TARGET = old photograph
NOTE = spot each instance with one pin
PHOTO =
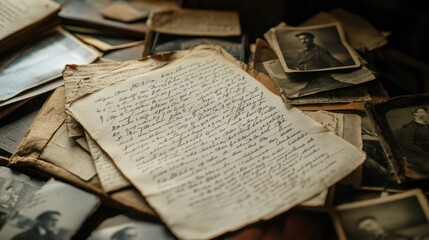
(314, 48)
(236, 46)
(403, 125)
(55, 212)
(372, 219)
(297, 85)
(122, 227)
(15, 190)
(377, 173)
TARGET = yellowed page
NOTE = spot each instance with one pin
(80, 80)
(111, 178)
(196, 22)
(211, 148)
(344, 125)
(332, 121)
(65, 152)
(18, 14)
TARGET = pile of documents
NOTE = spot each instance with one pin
(163, 114)
(179, 130)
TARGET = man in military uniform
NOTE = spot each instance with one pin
(414, 139)
(314, 57)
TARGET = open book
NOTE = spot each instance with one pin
(23, 20)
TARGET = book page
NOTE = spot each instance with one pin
(196, 22)
(111, 178)
(203, 136)
(18, 14)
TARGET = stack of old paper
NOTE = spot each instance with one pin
(192, 130)
(318, 62)
(108, 17)
(182, 29)
(36, 68)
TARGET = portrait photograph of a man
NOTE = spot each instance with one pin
(403, 127)
(371, 219)
(315, 48)
(410, 126)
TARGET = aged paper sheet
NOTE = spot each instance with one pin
(16, 15)
(196, 22)
(334, 122)
(65, 152)
(80, 80)
(48, 120)
(111, 178)
(42, 62)
(344, 125)
(201, 135)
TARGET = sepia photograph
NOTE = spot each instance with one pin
(55, 212)
(377, 173)
(297, 85)
(314, 48)
(403, 126)
(122, 227)
(236, 46)
(15, 190)
(372, 219)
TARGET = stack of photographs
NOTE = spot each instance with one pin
(315, 64)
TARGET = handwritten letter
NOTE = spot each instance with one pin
(111, 178)
(80, 80)
(210, 147)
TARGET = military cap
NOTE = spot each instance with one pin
(307, 34)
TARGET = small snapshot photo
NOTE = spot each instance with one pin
(315, 48)
(122, 227)
(55, 212)
(372, 219)
(403, 124)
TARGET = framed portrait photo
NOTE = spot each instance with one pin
(372, 219)
(314, 48)
(402, 124)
